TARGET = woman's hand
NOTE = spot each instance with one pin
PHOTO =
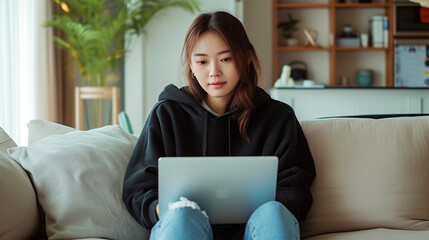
(157, 210)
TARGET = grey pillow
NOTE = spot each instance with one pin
(39, 129)
(78, 177)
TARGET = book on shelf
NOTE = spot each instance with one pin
(376, 31)
(385, 31)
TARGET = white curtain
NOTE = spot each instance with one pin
(25, 66)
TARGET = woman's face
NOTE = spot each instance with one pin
(213, 66)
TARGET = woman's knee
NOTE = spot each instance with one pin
(184, 214)
(272, 206)
(272, 220)
(182, 223)
(277, 211)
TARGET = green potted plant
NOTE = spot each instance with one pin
(288, 27)
(97, 33)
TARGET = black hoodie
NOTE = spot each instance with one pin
(179, 126)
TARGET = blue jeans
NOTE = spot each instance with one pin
(270, 221)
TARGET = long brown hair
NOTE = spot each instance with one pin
(245, 60)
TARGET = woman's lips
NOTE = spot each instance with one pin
(217, 84)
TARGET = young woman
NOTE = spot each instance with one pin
(221, 112)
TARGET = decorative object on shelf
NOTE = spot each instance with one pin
(364, 40)
(376, 29)
(288, 27)
(97, 34)
(285, 80)
(298, 70)
(308, 83)
(347, 38)
(311, 37)
(344, 81)
(364, 77)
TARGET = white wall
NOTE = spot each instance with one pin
(154, 59)
(258, 20)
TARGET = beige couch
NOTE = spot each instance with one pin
(372, 181)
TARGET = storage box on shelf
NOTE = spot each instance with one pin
(328, 62)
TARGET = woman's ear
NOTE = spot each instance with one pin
(190, 67)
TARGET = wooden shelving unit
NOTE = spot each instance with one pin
(329, 53)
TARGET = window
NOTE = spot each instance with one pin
(18, 73)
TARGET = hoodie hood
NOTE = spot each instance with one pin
(260, 97)
(172, 93)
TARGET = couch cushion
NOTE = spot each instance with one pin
(375, 234)
(18, 204)
(5, 141)
(369, 174)
(78, 178)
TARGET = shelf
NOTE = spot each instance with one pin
(361, 5)
(303, 5)
(360, 48)
(302, 48)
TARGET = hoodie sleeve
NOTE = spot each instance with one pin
(140, 187)
(296, 169)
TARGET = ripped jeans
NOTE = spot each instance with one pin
(270, 221)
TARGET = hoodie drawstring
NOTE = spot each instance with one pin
(205, 120)
(229, 135)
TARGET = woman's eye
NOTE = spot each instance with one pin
(202, 62)
(226, 60)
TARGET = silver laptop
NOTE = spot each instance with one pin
(229, 189)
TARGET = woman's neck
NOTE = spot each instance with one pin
(218, 105)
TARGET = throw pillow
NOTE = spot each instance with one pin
(78, 177)
(369, 174)
(39, 129)
(18, 204)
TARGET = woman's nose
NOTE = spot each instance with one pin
(214, 70)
